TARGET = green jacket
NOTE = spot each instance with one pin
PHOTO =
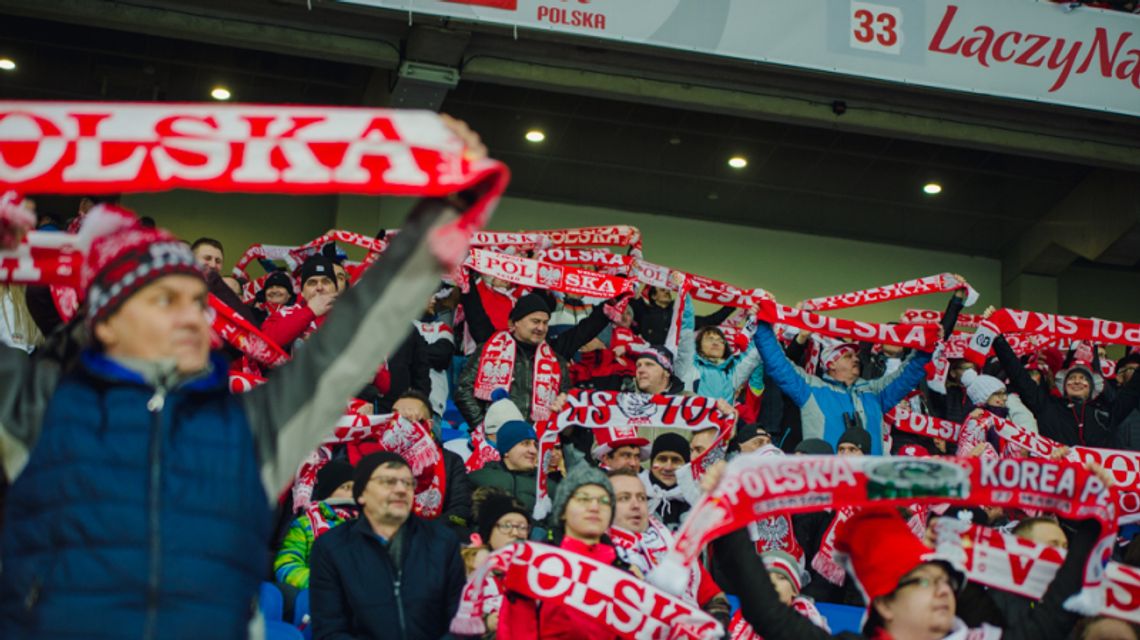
(292, 563)
(521, 485)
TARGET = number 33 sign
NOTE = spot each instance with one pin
(875, 27)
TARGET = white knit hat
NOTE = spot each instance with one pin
(980, 387)
(501, 411)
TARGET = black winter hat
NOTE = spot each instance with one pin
(367, 465)
(528, 304)
(494, 506)
(318, 265)
(673, 442)
(859, 437)
(813, 446)
(278, 279)
(746, 432)
(330, 477)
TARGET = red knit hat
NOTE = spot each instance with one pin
(879, 548)
(124, 257)
(612, 438)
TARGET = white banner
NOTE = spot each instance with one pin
(1037, 51)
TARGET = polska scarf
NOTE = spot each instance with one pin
(644, 550)
(940, 283)
(391, 432)
(237, 331)
(1053, 326)
(625, 605)
(754, 487)
(497, 371)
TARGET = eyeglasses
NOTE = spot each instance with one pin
(585, 500)
(627, 497)
(508, 527)
(391, 483)
(926, 582)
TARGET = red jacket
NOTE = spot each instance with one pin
(290, 323)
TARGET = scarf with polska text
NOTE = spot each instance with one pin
(754, 487)
(535, 274)
(243, 336)
(611, 409)
(930, 316)
(481, 451)
(1020, 566)
(603, 236)
(1069, 328)
(391, 432)
(940, 283)
(497, 371)
(628, 607)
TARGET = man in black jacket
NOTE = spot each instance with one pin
(651, 319)
(1080, 416)
(389, 574)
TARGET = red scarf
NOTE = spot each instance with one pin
(589, 587)
(756, 486)
(391, 432)
(1053, 326)
(535, 274)
(237, 331)
(940, 283)
(644, 550)
(739, 629)
(497, 371)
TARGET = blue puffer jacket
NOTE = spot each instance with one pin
(172, 518)
(823, 401)
(707, 378)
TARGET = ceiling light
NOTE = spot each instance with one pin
(738, 162)
(932, 188)
(534, 135)
(7, 64)
(220, 93)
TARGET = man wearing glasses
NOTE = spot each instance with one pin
(390, 570)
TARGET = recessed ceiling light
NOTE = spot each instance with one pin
(738, 162)
(220, 93)
(932, 188)
(535, 135)
(675, 140)
(7, 64)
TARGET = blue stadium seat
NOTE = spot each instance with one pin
(841, 617)
(301, 618)
(271, 602)
(277, 630)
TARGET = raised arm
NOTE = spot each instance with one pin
(570, 341)
(478, 322)
(788, 376)
(302, 399)
(684, 364)
(1032, 394)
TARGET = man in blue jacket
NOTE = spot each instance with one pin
(140, 501)
(840, 399)
(389, 574)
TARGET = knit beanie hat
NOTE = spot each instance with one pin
(318, 265)
(673, 442)
(815, 446)
(660, 355)
(579, 476)
(1095, 380)
(367, 465)
(528, 304)
(979, 387)
(501, 411)
(511, 434)
(833, 353)
(125, 257)
(330, 477)
(859, 437)
(746, 432)
(494, 506)
(278, 279)
(785, 564)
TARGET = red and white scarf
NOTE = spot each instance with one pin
(320, 524)
(609, 409)
(930, 316)
(1026, 568)
(940, 283)
(481, 451)
(628, 607)
(754, 487)
(411, 440)
(1007, 321)
(535, 274)
(824, 561)
(497, 371)
(237, 331)
(644, 550)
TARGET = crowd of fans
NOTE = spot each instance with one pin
(369, 567)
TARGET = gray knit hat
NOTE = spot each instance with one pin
(580, 475)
